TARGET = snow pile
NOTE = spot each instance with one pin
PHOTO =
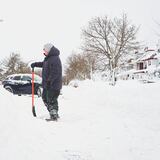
(98, 122)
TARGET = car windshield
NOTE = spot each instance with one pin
(8, 78)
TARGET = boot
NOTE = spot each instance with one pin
(54, 114)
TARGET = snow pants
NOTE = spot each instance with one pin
(50, 99)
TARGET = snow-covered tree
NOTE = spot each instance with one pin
(110, 39)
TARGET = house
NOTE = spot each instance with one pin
(148, 60)
(145, 66)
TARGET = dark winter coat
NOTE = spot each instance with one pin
(51, 70)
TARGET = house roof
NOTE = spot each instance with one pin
(157, 56)
(148, 55)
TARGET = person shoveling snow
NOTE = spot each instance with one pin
(51, 78)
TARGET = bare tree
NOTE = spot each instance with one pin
(1, 72)
(23, 67)
(14, 64)
(77, 67)
(110, 40)
(10, 64)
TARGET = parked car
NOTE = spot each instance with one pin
(22, 84)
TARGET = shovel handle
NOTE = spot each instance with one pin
(33, 107)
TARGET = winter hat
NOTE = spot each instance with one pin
(47, 47)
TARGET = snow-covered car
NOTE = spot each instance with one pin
(22, 84)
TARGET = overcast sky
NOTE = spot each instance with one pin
(29, 24)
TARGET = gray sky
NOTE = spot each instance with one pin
(29, 24)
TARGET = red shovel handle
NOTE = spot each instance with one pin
(33, 107)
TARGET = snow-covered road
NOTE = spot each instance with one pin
(98, 122)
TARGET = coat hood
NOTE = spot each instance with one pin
(54, 52)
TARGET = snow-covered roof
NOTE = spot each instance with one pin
(157, 55)
(22, 74)
(37, 77)
(148, 55)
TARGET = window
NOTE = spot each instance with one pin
(17, 78)
(149, 62)
(26, 78)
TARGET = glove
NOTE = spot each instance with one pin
(32, 65)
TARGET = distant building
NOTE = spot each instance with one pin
(146, 65)
(147, 60)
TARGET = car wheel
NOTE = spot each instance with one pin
(8, 88)
(39, 93)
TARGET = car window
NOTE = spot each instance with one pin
(26, 78)
(17, 78)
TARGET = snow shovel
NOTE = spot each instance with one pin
(33, 107)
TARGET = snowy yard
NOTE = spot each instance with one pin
(98, 122)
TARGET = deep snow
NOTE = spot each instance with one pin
(98, 122)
